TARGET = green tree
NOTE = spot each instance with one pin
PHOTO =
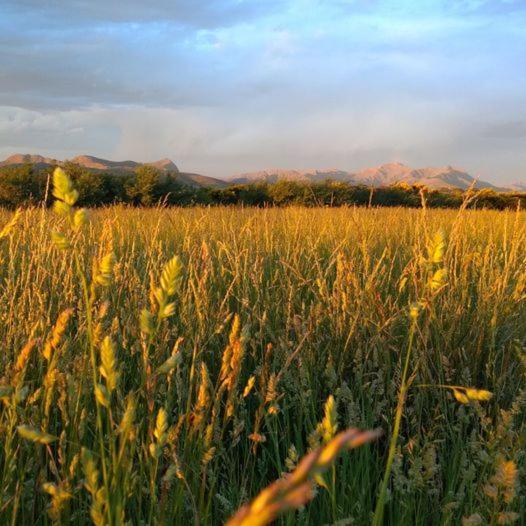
(21, 185)
(148, 186)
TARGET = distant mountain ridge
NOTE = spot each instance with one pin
(97, 164)
(384, 175)
(518, 186)
(88, 161)
(388, 174)
(22, 158)
(275, 175)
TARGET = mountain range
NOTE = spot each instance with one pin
(387, 174)
(97, 164)
(384, 175)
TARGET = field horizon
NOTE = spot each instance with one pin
(385, 174)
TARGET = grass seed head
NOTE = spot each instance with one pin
(10, 226)
(35, 435)
(171, 276)
(329, 424)
(108, 368)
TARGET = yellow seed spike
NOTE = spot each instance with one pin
(506, 478)
(107, 263)
(234, 332)
(257, 437)
(59, 329)
(329, 424)
(478, 394)
(203, 398)
(91, 473)
(236, 359)
(71, 197)
(161, 426)
(61, 208)
(102, 395)
(108, 368)
(167, 310)
(60, 240)
(171, 275)
(414, 310)
(62, 184)
(295, 489)
(104, 270)
(438, 279)
(249, 386)
(272, 388)
(320, 480)
(225, 362)
(169, 364)
(146, 322)
(57, 492)
(460, 396)
(128, 416)
(11, 224)
(35, 435)
(208, 456)
(437, 248)
(331, 450)
(80, 218)
(49, 488)
(24, 355)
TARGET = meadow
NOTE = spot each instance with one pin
(142, 388)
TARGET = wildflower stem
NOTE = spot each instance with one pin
(404, 385)
(89, 321)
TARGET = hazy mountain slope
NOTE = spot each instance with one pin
(198, 180)
(95, 163)
(269, 176)
(22, 158)
(517, 186)
(164, 164)
(275, 175)
(387, 174)
(90, 162)
(384, 175)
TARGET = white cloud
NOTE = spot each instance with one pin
(217, 142)
(238, 85)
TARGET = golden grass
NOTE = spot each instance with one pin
(162, 366)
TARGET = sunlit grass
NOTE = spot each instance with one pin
(165, 365)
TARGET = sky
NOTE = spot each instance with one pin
(228, 86)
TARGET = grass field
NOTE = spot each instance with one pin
(131, 398)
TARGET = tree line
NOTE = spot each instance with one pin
(28, 185)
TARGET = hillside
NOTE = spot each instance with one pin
(438, 178)
(117, 167)
(95, 163)
(384, 175)
(518, 186)
(198, 180)
(304, 176)
(21, 158)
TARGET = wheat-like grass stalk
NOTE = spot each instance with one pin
(180, 414)
(296, 488)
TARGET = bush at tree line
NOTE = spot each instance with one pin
(28, 185)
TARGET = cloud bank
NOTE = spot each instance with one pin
(226, 86)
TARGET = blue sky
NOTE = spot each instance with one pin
(226, 86)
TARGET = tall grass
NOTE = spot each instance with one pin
(162, 366)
